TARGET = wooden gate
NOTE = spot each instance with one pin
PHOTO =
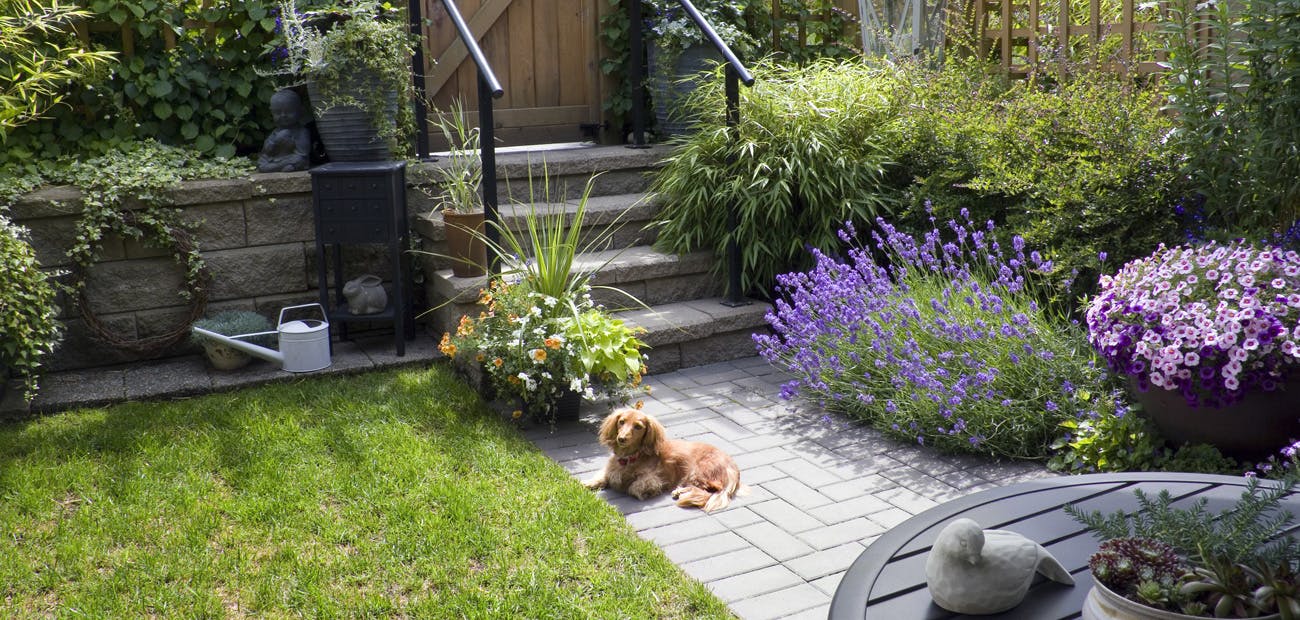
(545, 52)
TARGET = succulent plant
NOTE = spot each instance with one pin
(1138, 568)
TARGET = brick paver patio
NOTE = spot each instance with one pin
(822, 487)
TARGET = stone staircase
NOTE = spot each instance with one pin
(686, 323)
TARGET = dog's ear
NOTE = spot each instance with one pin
(654, 435)
(609, 429)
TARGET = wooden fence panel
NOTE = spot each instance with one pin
(1023, 35)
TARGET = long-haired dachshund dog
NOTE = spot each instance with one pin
(646, 463)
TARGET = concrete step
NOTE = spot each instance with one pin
(698, 332)
(621, 220)
(651, 277)
(557, 175)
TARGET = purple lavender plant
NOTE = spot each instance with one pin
(1210, 321)
(945, 345)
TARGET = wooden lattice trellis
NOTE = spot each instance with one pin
(1114, 35)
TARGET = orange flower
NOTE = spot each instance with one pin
(516, 414)
(446, 346)
(538, 355)
(514, 379)
(480, 357)
(498, 362)
(640, 404)
(553, 343)
(466, 326)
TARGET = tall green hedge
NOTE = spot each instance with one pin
(1079, 168)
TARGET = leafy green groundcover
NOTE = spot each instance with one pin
(390, 493)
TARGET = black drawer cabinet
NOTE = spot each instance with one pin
(363, 203)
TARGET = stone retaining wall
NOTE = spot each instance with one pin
(256, 235)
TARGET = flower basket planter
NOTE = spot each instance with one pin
(1104, 604)
(1257, 425)
(465, 232)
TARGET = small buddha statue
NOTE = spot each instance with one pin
(288, 146)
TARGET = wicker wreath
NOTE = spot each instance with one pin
(181, 243)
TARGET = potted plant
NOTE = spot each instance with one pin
(355, 60)
(1168, 563)
(1203, 328)
(29, 325)
(679, 52)
(540, 337)
(233, 323)
(459, 194)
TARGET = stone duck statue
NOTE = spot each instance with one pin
(975, 571)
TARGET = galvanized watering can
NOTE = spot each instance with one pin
(304, 344)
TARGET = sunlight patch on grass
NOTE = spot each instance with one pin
(393, 493)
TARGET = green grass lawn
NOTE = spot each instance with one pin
(390, 494)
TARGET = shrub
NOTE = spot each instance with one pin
(29, 327)
(1235, 108)
(807, 157)
(202, 93)
(39, 57)
(945, 345)
(1114, 440)
(1078, 168)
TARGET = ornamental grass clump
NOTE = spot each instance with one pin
(945, 345)
(1213, 322)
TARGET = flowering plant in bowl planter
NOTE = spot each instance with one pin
(534, 348)
(540, 335)
(1212, 322)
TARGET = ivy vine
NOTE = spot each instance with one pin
(202, 92)
(144, 173)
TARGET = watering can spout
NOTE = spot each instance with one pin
(270, 355)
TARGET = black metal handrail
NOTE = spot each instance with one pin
(736, 74)
(489, 88)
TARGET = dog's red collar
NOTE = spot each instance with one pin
(624, 460)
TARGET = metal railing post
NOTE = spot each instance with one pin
(489, 88)
(735, 296)
(488, 164)
(636, 73)
(417, 75)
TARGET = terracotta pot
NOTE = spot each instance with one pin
(1258, 425)
(1103, 604)
(467, 249)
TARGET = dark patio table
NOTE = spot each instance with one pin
(887, 581)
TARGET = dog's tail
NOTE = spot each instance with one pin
(714, 500)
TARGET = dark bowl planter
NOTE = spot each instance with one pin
(1257, 426)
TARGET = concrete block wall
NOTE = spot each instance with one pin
(256, 234)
